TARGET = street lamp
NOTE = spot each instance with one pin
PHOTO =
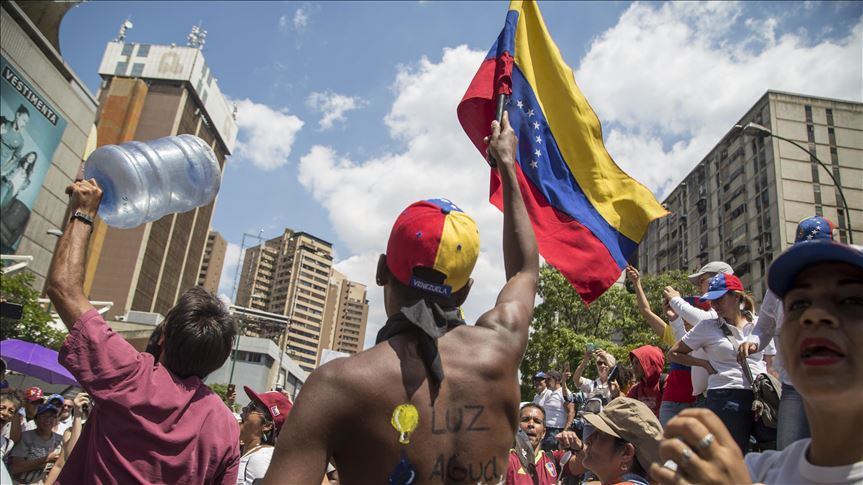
(755, 129)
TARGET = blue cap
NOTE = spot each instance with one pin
(722, 284)
(47, 407)
(55, 398)
(815, 228)
(784, 269)
(539, 375)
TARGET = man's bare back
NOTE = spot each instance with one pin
(383, 417)
(463, 436)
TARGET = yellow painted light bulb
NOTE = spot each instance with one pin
(405, 419)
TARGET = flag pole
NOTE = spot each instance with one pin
(501, 103)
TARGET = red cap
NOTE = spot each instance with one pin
(277, 405)
(34, 394)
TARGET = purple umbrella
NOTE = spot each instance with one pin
(34, 360)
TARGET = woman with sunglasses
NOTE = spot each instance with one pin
(260, 423)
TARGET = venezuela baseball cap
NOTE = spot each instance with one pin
(433, 247)
(722, 284)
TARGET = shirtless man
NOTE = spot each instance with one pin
(415, 408)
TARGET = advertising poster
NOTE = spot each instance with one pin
(30, 130)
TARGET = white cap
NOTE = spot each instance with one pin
(711, 267)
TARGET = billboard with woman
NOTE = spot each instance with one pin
(30, 130)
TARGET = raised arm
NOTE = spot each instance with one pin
(579, 371)
(687, 312)
(65, 283)
(654, 320)
(514, 307)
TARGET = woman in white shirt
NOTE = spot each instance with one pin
(598, 387)
(821, 285)
(729, 395)
(260, 424)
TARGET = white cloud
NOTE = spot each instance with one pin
(301, 20)
(229, 268)
(283, 24)
(266, 134)
(333, 107)
(668, 82)
(364, 197)
(681, 71)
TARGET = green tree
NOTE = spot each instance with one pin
(563, 325)
(34, 323)
(221, 390)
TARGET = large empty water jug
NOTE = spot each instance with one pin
(144, 181)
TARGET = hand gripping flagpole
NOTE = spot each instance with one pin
(501, 103)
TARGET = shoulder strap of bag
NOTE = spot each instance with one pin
(747, 372)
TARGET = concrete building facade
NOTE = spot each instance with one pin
(36, 78)
(742, 202)
(148, 92)
(289, 275)
(212, 262)
(345, 316)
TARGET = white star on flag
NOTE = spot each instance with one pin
(536, 125)
(530, 113)
(538, 139)
(537, 152)
(534, 164)
(519, 103)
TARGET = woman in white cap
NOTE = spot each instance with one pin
(821, 287)
(624, 442)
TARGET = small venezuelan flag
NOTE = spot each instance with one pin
(588, 215)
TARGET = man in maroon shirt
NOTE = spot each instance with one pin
(154, 421)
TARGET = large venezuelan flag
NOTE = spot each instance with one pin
(588, 215)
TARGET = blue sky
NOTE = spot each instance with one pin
(347, 109)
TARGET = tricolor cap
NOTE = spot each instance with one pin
(780, 276)
(277, 405)
(722, 284)
(437, 235)
(815, 228)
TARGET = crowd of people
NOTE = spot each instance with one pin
(438, 401)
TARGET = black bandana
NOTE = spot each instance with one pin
(433, 321)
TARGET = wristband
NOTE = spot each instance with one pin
(83, 217)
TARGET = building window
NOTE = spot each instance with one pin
(829, 117)
(120, 70)
(808, 113)
(127, 49)
(137, 69)
(143, 50)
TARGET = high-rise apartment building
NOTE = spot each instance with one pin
(742, 202)
(151, 91)
(290, 275)
(213, 262)
(345, 316)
